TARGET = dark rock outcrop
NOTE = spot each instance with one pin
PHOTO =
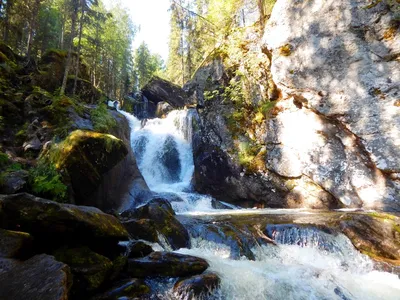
(166, 264)
(199, 286)
(41, 277)
(160, 90)
(157, 216)
(169, 157)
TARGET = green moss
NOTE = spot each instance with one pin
(102, 120)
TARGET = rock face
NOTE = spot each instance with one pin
(339, 72)
(333, 136)
(41, 277)
(157, 216)
(166, 264)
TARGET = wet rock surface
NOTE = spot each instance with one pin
(155, 217)
(197, 286)
(166, 264)
(41, 277)
(374, 234)
(126, 289)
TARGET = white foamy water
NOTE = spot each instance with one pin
(297, 272)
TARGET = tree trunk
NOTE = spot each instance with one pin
(71, 45)
(7, 21)
(32, 26)
(79, 46)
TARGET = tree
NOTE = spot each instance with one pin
(146, 65)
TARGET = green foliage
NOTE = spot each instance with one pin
(47, 182)
(4, 160)
(102, 120)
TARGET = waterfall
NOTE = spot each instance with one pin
(304, 263)
(163, 150)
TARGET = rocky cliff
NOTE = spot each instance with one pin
(332, 138)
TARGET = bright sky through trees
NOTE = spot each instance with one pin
(153, 18)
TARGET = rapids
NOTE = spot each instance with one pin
(305, 263)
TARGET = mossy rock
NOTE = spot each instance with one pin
(375, 234)
(53, 223)
(86, 156)
(166, 264)
(90, 269)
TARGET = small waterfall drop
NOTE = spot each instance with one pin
(163, 149)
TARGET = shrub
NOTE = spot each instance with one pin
(45, 181)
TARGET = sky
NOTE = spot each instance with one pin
(153, 18)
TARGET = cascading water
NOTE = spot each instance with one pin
(163, 149)
(304, 262)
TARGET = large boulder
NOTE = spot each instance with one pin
(52, 222)
(166, 264)
(155, 218)
(160, 90)
(41, 277)
(122, 184)
(338, 121)
(86, 156)
(90, 269)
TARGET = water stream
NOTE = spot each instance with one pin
(305, 263)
